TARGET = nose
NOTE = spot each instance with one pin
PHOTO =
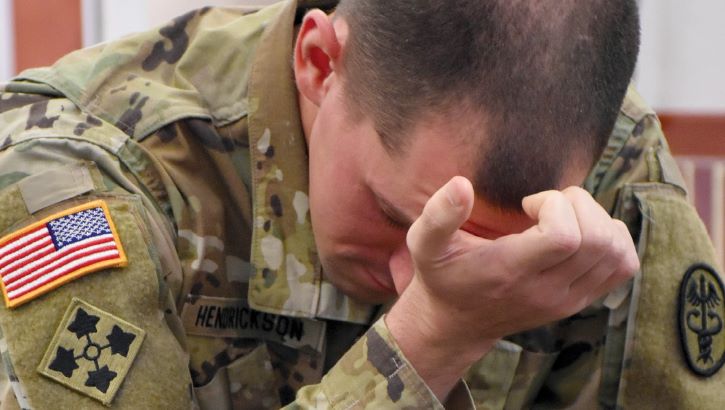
(401, 268)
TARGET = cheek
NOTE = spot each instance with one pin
(352, 227)
(333, 188)
(344, 210)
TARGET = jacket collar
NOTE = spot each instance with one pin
(287, 277)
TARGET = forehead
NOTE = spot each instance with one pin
(404, 180)
(425, 168)
(436, 151)
(439, 144)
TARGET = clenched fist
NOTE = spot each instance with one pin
(467, 292)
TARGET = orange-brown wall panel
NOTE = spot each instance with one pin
(45, 30)
(694, 134)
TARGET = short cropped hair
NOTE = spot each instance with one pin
(546, 78)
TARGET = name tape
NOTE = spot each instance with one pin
(230, 317)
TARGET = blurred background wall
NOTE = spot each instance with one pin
(681, 70)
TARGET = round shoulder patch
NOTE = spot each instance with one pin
(700, 315)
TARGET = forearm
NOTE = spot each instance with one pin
(375, 373)
(440, 361)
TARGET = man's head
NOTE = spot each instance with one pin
(544, 79)
(399, 96)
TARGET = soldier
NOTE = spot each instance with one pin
(189, 221)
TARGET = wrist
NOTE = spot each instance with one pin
(436, 346)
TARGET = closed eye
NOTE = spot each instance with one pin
(392, 215)
(392, 222)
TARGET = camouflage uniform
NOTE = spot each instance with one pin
(625, 351)
(197, 152)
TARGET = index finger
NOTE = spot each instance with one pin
(556, 235)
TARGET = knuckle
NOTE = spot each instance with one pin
(575, 193)
(552, 300)
(500, 290)
(564, 310)
(627, 254)
(622, 227)
(623, 250)
(601, 242)
(620, 224)
(574, 190)
(632, 267)
(581, 304)
(573, 306)
(565, 242)
(553, 198)
(618, 278)
(627, 271)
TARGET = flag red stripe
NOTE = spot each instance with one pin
(38, 273)
(63, 273)
(42, 243)
(17, 243)
(10, 277)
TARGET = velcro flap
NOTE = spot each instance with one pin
(673, 242)
(55, 185)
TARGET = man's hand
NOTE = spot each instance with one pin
(467, 291)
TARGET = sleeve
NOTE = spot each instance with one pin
(664, 338)
(604, 356)
(87, 319)
(665, 342)
(674, 345)
(375, 374)
(509, 376)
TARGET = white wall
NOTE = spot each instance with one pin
(681, 64)
(7, 55)
(682, 59)
(161, 11)
(118, 18)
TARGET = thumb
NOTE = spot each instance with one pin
(443, 214)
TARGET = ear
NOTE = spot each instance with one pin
(317, 51)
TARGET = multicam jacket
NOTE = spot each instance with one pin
(179, 269)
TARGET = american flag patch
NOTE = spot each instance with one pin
(58, 249)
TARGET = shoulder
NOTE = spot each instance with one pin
(636, 152)
(197, 65)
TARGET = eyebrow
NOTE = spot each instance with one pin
(393, 211)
